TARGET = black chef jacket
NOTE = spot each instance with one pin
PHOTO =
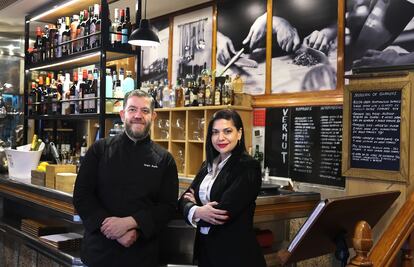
(121, 178)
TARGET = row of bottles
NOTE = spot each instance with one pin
(64, 95)
(188, 92)
(77, 33)
(120, 28)
(68, 149)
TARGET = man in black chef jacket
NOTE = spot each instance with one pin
(126, 191)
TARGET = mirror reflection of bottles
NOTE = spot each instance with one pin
(180, 161)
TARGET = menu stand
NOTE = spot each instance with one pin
(331, 225)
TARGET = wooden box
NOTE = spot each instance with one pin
(65, 182)
(53, 169)
(38, 178)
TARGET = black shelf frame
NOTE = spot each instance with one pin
(107, 53)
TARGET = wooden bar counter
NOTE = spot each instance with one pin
(21, 200)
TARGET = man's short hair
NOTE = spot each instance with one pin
(139, 93)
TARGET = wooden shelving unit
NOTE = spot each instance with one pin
(183, 131)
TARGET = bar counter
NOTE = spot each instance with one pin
(19, 197)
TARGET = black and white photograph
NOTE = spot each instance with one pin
(241, 42)
(379, 34)
(192, 43)
(155, 59)
(304, 45)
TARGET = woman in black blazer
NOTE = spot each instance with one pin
(221, 200)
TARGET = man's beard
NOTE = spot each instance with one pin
(139, 135)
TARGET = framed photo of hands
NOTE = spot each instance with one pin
(379, 35)
(241, 42)
(304, 45)
(283, 49)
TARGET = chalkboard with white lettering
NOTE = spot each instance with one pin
(375, 130)
(305, 144)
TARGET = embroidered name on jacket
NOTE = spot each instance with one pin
(150, 166)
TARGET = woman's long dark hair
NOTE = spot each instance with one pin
(230, 115)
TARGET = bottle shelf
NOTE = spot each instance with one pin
(50, 15)
(160, 140)
(84, 116)
(84, 58)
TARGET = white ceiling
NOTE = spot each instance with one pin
(12, 17)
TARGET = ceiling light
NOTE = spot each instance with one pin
(144, 36)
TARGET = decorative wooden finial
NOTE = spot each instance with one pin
(362, 242)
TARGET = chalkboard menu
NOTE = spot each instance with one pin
(305, 144)
(375, 130)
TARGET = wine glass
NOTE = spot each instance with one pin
(163, 125)
(179, 129)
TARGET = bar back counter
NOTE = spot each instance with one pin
(21, 247)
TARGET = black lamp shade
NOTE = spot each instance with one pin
(144, 36)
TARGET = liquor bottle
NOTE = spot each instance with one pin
(114, 28)
(53, 41)
(96, 38)
(122, 76)
(226, 98)
(172, 98)
(32, 107)
(86, 41)
(187, 94)
(209, 94)
(48, 98)
(217, 94)
(41, 95)
(72, 94)
(165, 94)
(129, 83)
(108, 84)
(96, 89)
(58, 51)
(84, 92)
(33, 144)
(59, 88)
(80, 32)
(179, 94)
(54, 97)
(74, 33)
(93, 91)
(201, 92)
(45, 44)
(127, 27)
(37, 51)
(66, 37)
(83, 148)
(120, 29)
(92, 27)
(258, 155)
(194, 94)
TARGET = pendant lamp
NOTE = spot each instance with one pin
(143, 35)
